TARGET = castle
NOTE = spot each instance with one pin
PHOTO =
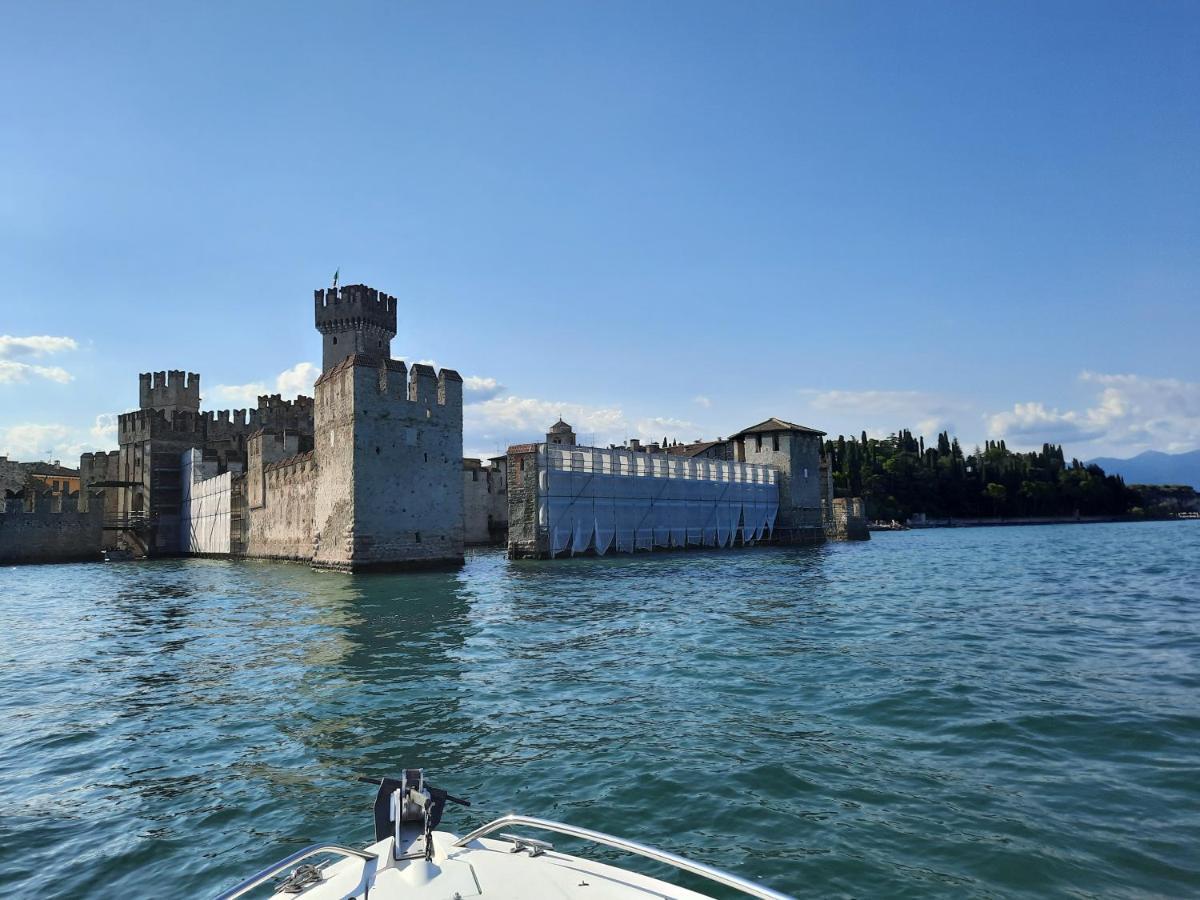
(365, 475)
(369, 474)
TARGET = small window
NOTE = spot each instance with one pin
(426, 457)
(376, 451)
(335, 340)
(758, 443)
(520, 465)
(806, 473)
(775, 442)
(417, 535)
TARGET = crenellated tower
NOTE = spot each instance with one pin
(169, 392)
(354, 319)
(388, 443)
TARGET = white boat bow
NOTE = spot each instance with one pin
(421, 863)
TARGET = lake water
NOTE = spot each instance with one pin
(972, 712)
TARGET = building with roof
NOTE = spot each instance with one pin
(765, 484)
(794, 451)
(561, 433)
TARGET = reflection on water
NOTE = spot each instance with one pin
(1003, 712)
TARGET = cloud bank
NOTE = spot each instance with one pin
(1130, 413)
(15, 350)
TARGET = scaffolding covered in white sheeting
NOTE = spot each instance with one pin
(593, 500)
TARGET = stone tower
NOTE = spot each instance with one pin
(561, 433)
(388, 492)
(169, 392)
(354, 319)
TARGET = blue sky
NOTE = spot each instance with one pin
(653, 218)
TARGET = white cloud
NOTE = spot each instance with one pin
(477, 389)
(701, 400)
(19, 372)
(13, 371)
(104, 429)
(530, 417)
(242, 395)
(35, 442)
(880, 413)
(1130, 413)
(491, 425)
(299, 379)
(34, 345)
(656, 428)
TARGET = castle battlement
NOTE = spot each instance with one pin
(170, 391)
(276, 401)
(423, 385)
(302, 464)
(335, 307)
(355, 319)
(146, 424)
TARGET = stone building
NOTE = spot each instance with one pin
(143, 491)
(374, 483)
(768, 483)
(564, 498)
(365, 475)
(795, 452)
(485, 502)
(718, 449)
(561, 433)
(48, 527)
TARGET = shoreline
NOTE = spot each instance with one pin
(1030, 520)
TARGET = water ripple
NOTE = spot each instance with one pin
(986, 713)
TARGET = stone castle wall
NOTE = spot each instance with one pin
(280, 526)
(48, 535)
(389, 491)
(798, 460)
(523, 502)
(485, 503)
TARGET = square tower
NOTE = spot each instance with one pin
(389, 491)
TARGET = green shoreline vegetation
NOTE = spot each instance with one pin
(899, 475)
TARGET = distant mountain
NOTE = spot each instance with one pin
(1153, 467)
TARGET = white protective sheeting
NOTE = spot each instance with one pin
(601, 500)
(205, 514)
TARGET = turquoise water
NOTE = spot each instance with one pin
(975, 712)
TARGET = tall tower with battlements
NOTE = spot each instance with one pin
(170, 392)
(354, 319)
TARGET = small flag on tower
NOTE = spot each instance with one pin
(335, 276)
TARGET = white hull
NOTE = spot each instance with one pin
(484, 868)
(417, 862)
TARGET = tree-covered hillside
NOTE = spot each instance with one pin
(899, 476)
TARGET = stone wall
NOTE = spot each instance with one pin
(848, 521)
(12, 476)
(523, 502)
(797, 457)
(485, 503)
(281, 526)
(389, 487)
(46, 535)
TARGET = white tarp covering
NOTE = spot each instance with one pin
(601, 500)
(205, 520)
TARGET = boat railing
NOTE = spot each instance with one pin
(280, 867)
(598, 837)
